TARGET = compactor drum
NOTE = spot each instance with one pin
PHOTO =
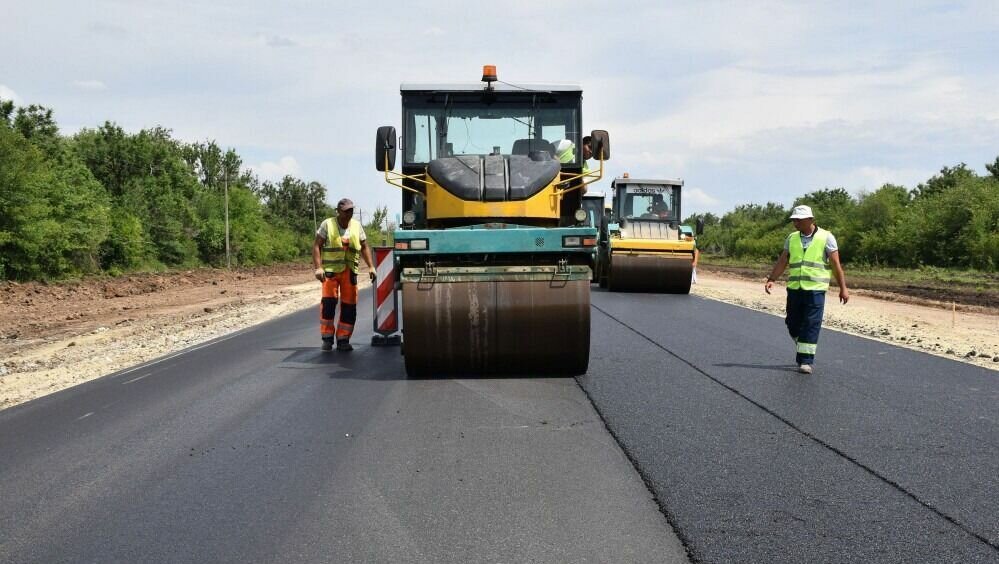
(642, 248)
(494, 252)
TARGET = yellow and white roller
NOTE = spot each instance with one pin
(645, 249)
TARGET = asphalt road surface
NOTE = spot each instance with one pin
(259, 448)
(883, 455)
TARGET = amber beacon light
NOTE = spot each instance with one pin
(489, 73)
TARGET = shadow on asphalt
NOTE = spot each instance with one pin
(776, 367)
(350, 366)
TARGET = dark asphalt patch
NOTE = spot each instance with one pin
(741, 476)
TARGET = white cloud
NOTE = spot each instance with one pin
(726, 107)
(277, 41)
(8, 94)
(698, 198)
(276, 171)
(870, 178)
(94, 85)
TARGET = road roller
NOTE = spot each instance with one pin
(494, 250)
(642, 248)
(593, 205)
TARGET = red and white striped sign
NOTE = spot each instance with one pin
(386, 307)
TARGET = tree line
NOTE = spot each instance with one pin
(104, 200)
(951, 220)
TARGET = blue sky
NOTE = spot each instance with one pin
(746, 101)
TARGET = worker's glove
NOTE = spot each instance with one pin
(371, 274)
(320, 274)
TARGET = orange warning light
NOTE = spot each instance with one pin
(626, 175)
(489, 73)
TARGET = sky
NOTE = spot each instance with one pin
(747, 102)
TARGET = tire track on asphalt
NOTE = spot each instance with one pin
(812, 437)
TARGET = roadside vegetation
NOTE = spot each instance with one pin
(105, 201)
(938, 240)
(951, 221)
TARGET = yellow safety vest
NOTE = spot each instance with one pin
(335, 255)
(809, 268)
(567, 155)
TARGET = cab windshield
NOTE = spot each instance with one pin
(649, 201)
(471, 124)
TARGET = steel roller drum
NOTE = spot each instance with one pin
(496, 327)
(650, 273)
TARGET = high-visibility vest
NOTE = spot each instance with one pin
(335, 255)
(567, 155)
(809, 269)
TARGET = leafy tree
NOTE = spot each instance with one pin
(376, 229)
(948, 178)
(710, 219)
(296, 204)
(6, 110)
(993, 168)
(53, 213)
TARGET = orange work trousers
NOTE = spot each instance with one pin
(342, 288)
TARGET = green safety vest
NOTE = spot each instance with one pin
(809, 269)
(336, 256)
(567, 155)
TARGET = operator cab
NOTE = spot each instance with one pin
(647, 200)
(489, 145)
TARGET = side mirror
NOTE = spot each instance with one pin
(699, 229)
(600, 144)
(385, 148)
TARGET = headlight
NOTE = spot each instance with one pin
(409, 217)
(580, 215)
(570, 241)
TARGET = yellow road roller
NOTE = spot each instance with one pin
(642, 248)
(493, 252)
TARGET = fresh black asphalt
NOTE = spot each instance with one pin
(883, 455)
(259, 448)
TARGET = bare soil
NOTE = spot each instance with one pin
(53, 336)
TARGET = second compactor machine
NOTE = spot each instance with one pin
(641, 245)
(494, 251)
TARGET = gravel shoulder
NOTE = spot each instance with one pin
(966, 334)
(60, 335)
(53, 336)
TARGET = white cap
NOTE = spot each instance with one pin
(801, 212)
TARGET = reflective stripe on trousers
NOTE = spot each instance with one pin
(804, 320)
(339, 288)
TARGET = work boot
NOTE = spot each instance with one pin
(344, 345)
(327, 344)
(805, 368)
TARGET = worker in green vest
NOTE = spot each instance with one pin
(587, 153)
(338, 245)
(565, 151)
(809, 251)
